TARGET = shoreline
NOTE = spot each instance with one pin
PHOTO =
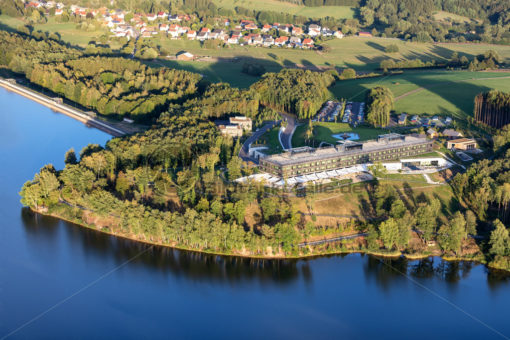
(76, 114)
(380, 254)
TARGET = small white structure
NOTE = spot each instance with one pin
(427, 161)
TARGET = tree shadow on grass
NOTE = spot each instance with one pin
(376, 46)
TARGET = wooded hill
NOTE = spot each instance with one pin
(116, 86)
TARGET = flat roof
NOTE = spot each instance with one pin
(462, 140)
(288, 158)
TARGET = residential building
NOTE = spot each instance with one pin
(268, 41)
(202, 36)
(185, 56)
(402, 119)
(297, 31)
(452, 134)
(295, 40)
(314, 30)
(432, 133)
(280, 41)
(231, 130)
(338, 34)
(244, 122)
(266, 28)
(308, 43)
(192, 35)
(462, 144)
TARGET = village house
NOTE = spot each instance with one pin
(268, 41)
(402, 119)
(163, 27)
(327, 32)
(314, 30)
(202, 36)
(185, 56)
(452, 134)
(462, 144)
(151, 17)
(173, 31)
(266, 28)
(284, 28)
(191, 35)
(297, 31)
(59, 11)
(308, 43)
(339, 34)
(257, 40)
(280, 41)
(251, 27)
(162, 15)
(234, 38)
(217, 34)
(174, 17)
(432, 133)
(295, 40)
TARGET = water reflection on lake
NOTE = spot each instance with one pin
(80, 283)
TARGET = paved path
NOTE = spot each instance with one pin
(286, 135)
(243, 153)
(429, 180)
(334, 239)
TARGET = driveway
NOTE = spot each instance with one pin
(286, 135)
(243, 153)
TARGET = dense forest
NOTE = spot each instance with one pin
(295, 91)
(116, 86)
(493, 108)
(413, 20)
(485, 189)
(20, 53)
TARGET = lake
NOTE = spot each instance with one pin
(58, 280)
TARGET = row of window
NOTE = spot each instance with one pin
(308, 170)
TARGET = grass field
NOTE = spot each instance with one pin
(360, 53)
(323, 132)
(340, 12)
(445, 16)
(68, 31)
(270, 139)
(430, 92)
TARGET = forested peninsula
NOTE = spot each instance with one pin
(174, 184)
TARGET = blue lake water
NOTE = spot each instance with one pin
(58, 280)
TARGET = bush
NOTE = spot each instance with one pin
(253, 69)
(392, 48)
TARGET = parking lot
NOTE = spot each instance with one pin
(329, 111)
(354, 113)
